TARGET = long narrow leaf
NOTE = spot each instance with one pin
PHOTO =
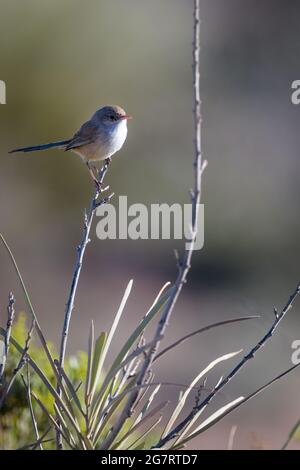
(189, 425)
(53, 421)
(132, 339)
(134, 428)
(182, 401)
(113, 408)
(238, 404)
(135, 445)
(90, 361)
(70, 388)
(141, 327)
(111, 334)
(148, 403)
(215, 417)
(202, 330)
(96, 363)
(106, 383)
(64, 425)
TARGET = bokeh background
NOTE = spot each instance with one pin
(61, 60)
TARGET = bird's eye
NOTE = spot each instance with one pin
(112, 117)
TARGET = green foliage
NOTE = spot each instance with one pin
(16, 428)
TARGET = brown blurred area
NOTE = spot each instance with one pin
(61, 60)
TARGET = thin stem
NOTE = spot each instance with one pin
(185, 264)
(19, 366)
(202, 330)
(88, 220)
(10, 319)
(27, 386)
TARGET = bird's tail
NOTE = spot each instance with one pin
(60, 143)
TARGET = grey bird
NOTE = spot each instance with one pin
(97, 139)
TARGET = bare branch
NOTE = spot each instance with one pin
(175, 432)
(88, 220)
(20, 365)
(10, 319)
(35, 444)
(27, 386)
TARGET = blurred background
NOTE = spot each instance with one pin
(61, 60)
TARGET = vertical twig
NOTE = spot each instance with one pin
(19, 366)
(27, 386)
(88, 220)
(185, 264)
(10, 319)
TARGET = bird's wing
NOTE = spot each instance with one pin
(85, 135)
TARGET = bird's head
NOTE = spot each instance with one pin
(111, 116)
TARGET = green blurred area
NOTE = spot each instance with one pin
(61, 60)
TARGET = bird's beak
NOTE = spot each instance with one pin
(126, 117)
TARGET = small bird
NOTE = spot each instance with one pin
(97, 139)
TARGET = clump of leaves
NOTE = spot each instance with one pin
(93, 392)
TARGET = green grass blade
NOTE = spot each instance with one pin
(141, 327)
(105, 389)
(64, 425)
(143, 421)
(148, 403)
(96, 363)
(155, 308)
(135, 445)
(110, 337)
(211, 420)
(113, 408)
(90, 361)
(70, 388)
(51, 418)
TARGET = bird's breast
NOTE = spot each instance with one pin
(118, 136)
(107, 142)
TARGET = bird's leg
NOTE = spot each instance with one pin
(102, 173)
(93, 172)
